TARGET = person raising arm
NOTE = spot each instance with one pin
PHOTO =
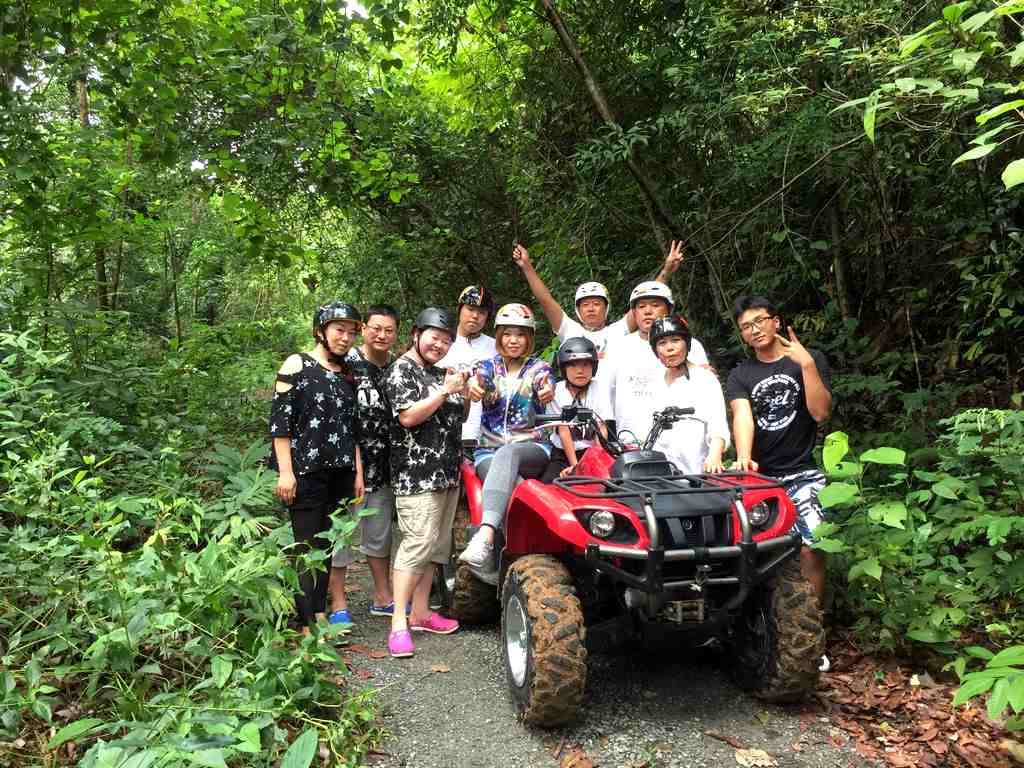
(592, 302)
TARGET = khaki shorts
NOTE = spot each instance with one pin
(425, 521)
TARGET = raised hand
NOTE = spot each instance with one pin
(794, 350)
(521, 257)
(674, 260)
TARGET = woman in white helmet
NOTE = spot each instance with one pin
(592, 303)
(513, 387)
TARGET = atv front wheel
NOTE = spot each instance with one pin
(778, 640)
(471, 600)
(542, 631)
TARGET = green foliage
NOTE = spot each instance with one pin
(929, 543)
(145, 609)
(1002, 678)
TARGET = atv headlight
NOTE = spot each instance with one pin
(759, 514)
(601, 523)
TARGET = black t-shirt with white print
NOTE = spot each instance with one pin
(318, 413)
(374, 419)
(784, 430)
(425, 457)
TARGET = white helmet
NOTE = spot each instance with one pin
(518, 315)
(651, 289)
(591, 290)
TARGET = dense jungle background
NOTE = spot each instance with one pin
(181, 182)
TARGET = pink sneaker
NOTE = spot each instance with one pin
(400, 644)
(435, 623)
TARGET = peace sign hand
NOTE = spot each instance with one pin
(674, 260)
(794, 350)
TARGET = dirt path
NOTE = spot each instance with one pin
(641, 710)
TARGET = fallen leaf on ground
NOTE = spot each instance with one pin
(440, 668)
(377, 654)
(356, 648)
(363, 674)
(576, 758)
(755, 758)
(1014, 748)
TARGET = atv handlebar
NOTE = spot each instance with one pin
(578, 416)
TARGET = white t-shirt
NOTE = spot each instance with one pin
(595, 399)
(570, 329)
(686, 443)
(467, 353)
(633, 376)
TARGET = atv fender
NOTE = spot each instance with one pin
(540, 519)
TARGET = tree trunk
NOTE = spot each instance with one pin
(174, 293)
(842, 290)
(99, 250)
(659, 215)
(115, 287)
(49, 290)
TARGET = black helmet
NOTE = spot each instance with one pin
(336, 310)
(576, 348)
(435, 317)
(673, 325)
(477, 296)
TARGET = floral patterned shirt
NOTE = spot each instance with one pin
(374, 419)
(318, 413)
(425, 457)
(510, 401)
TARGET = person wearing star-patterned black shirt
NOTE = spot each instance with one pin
(369, 362)
(312, 425)
(428, 406)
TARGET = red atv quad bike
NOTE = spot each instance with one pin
(629, 549)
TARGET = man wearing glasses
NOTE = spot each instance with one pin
(778, 399)
(368, 361)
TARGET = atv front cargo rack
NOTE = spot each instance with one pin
(651, 497)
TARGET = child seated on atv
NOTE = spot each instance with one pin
(694, 445)
(577, 364)
(513, 387)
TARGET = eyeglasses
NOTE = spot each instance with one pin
(757, 322)
(380, 330)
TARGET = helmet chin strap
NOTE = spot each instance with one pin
(336, 359)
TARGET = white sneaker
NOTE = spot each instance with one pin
(478, 553)
(825, 665)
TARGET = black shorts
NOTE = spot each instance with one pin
(559, 461)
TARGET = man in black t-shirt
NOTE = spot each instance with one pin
(778, 399)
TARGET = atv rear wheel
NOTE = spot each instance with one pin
(542, 634)
(778, 640)
(471, 600)
(443, 590)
